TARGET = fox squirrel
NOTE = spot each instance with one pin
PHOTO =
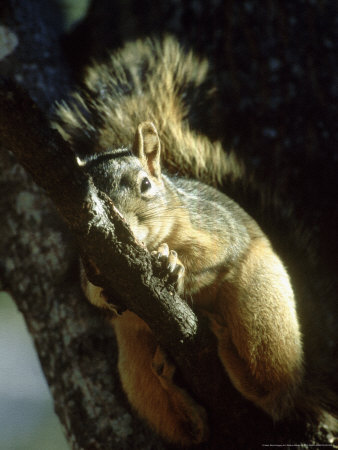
(131, 112)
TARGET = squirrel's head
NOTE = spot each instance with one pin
(132, 179)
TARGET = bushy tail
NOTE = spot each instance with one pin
(157, 81)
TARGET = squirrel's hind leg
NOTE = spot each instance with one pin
(191, 415)
(147, 377)
(259, 341)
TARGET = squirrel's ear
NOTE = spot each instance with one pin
(147, 147)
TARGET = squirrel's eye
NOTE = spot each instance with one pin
(145, 185)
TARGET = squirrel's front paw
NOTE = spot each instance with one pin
(172, 264)
(115, 309)
(94, 293)
(97, 296)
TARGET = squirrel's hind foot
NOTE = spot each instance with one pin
(190, 423)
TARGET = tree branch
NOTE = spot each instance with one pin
(60, 322)
(93, 219)
(97, 225)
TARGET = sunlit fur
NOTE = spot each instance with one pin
(147, 80)
(231, 271)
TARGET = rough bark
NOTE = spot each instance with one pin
(104, 238)
(38, 259)
(92, 218)
(39, 262)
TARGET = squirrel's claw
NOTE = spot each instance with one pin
(162, 252)
(172, 263)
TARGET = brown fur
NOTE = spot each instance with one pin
(157, 94)
(147, 378)
(231, 271)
